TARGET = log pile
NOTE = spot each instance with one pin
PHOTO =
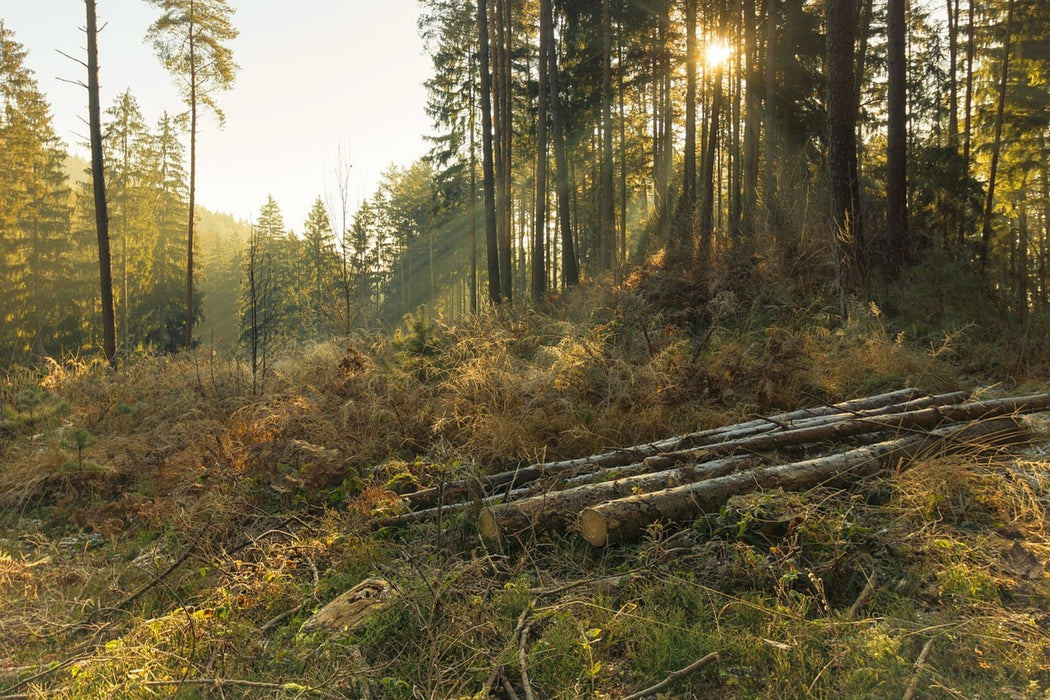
(615, 496)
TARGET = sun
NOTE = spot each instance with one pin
(717, 52)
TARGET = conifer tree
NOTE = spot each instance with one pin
(158, 315)
(320, 263)
(130, 229)
(191, 38)
(35, 213)
(267, 307)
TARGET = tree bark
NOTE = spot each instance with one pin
(689, 155)
(98, 178)
(504, 31)
(488, 166)
(558, 510)
(896, 139)
(989, 207)
(539, 234)
(706, 207)
(191, 38)
(769, 191)
(952, 7)
(606, 195)
(752, 122)
(896, 422)
(627, 518)
(967, 119)
(569, 265)
(842, 147)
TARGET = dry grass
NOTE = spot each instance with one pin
(192, 527)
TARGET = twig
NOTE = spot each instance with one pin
(920, 663)
(220, 683)
(674, 676)
(508, 688)
(273, 622)
(610, 580)
(155, 581)
(858, 604)
(43, 674)
(523, 660)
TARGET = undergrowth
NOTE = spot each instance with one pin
(164, 530)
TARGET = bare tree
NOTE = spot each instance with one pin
(98, 178)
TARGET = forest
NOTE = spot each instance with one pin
(732, 139)
(752, 294)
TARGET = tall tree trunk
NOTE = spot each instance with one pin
(623, 149)
(953, 70)
(706, 208)
(896, 138)
(752, 116)
(968, 121)
(607, 191)
(539, 237)
(506, 249)
(842, 146)
(769, 193)
(98, 178)
(473, 203)
(663, 117)
(488, 176)
(1044, 248)
(734, 166)
(1024, 304)
(989, 206)
(192, 34)
(570, 266)
(860, 66)
(689, 155)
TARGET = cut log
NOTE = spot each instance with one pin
(558, 509)
(627, 518)
(896, 422)
(456, 490)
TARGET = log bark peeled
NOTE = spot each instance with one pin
(895, 422)
(626, 518)
(455, 490)
(558, 509)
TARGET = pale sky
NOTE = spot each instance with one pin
(315, 75)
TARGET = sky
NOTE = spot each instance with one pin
(324, 78)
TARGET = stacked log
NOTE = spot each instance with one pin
(614, 496)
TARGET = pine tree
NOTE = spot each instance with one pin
(321, 269)
(98, 180)
(191, 39)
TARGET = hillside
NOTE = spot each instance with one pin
(165, 531)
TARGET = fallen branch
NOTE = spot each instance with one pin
(220, 683)
(859, 603)
(920, 664)
(675, 676)
(626, 518)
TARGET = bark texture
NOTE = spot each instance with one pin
(626, 518)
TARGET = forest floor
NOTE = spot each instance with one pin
(166, 530)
